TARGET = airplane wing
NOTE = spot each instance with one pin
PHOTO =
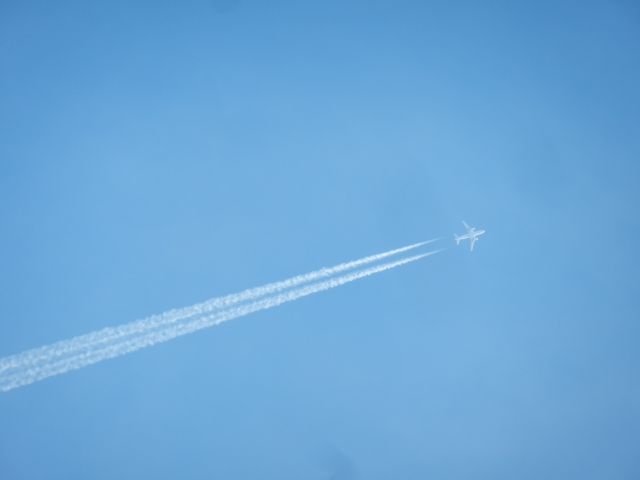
(472, 242)
(466, 226)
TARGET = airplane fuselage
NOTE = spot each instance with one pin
(473, 234)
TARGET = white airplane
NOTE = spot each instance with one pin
(471, 235)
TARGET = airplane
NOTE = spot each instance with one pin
(471, 235)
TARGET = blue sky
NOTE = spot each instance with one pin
(156, 154)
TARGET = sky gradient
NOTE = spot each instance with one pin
(156, 154)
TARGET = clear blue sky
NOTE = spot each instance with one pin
(157, 154)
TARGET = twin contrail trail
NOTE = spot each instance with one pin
(82, 342)
(61, 357)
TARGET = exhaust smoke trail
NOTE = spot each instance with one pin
(29, 373)
(109, 334)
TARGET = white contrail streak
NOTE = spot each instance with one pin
(110, 334)
(25, 376)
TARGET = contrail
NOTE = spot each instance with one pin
(26, 374)
(109, 334)
(33, 374)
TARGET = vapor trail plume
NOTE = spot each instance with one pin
(25, 376)
(110, 334)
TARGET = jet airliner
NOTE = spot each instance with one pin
(471, 235)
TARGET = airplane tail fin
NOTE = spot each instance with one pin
(457, 239)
